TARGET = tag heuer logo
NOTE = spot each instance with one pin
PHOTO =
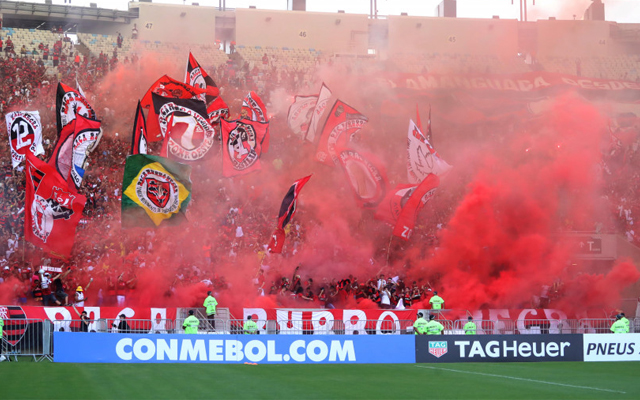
(438, 349)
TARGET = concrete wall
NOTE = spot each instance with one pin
(452, 35)
(166, 23)
(573, 38)
(337, 32)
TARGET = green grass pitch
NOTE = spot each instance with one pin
(560, 380)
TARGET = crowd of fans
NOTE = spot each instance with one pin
(122, 264)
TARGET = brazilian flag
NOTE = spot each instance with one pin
(154, 189)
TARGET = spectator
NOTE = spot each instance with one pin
(121, 324)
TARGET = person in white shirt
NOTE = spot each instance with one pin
(80, 296)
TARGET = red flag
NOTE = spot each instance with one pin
(287, 211)
(342, 122)
(52, 210)
(418, 122)
(253, 108)
(171, 89)
(367, 176)
(217, 109)
(197, 77)
(420, 196)
(389, 208)
(241, 146)
(139, 136)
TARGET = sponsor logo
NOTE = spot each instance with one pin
(74, 103)
(233, 350)
(438, 349)
(511, 348)
(614, 347)
(190, 137)
(241, 146)
(15, 324)
(158, 191)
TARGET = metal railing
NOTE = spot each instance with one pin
(27, 337)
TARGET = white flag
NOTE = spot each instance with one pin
(300, 112)
(422, 157)
(25, 134)
(318, 111)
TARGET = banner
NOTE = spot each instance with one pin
(498, 348)
(612, 347)
(253, 108)
(318, 112)
(229, 349)
(333, 321)
(154, 187)
(519, 83)
(25, 135)
(52, 210)
(342, 123)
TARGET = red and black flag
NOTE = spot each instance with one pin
(253, 108)
(197, 77)
(52, 209)
(171, 89)
(287, 211)
(70, 102)
(183, 122)
(417, 198)
(242, 145)
(217, 110)
(15, 324)
(139, 137)
(62, 156)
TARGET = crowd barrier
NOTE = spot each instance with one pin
(34, 337)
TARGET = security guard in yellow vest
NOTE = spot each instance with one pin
(619, 326)
(420, 326)
(190, 324)
(470, 327)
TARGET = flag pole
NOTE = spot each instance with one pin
(389, 249)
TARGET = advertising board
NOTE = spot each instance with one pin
(612, 347)
(498, 348)
(80, 347)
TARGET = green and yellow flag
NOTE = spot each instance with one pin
(154, 186)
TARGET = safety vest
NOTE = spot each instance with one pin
(436, 302)
(619, 327)
(420, 326)
(190, 324)
(210, 304)
(434, 328)
(470, 328)
(250, 327)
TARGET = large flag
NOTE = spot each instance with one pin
(154, 190)
(367, 176)
(139, 140)
(389, 208)
(242, 142)
(52, 210)
(411, 202)
(197, 77)
(86, 136)
(184, 122)
(70, 102)
(25, 135)
(287, 211)
(422, 158)
(300, 113)
(342, 122)
(253, 108)
(318, 111)
(171, 89)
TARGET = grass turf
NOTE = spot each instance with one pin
(561, 380)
